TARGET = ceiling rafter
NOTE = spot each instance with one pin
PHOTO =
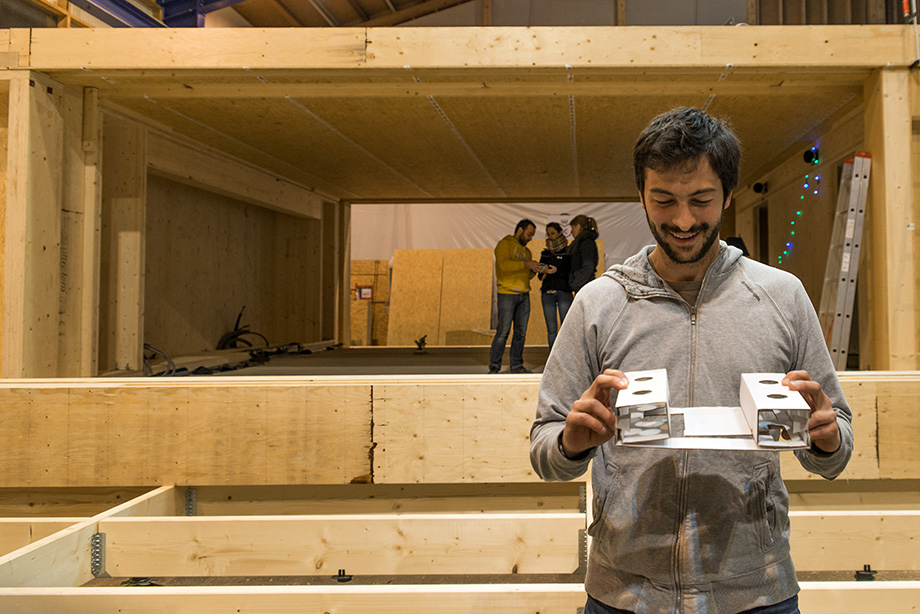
(413, 12)
(324, 13)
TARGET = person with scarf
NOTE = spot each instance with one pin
(583, 251)
(555, 292)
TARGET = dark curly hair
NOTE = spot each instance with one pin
(679, 137)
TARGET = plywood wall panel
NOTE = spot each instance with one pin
(456, 433)
(415, 302)
(209, 256)
(204, 433)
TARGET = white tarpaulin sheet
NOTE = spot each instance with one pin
(378, 230)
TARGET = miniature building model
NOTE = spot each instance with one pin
(771, 416)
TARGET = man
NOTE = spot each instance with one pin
(514, 268)
(697, 531)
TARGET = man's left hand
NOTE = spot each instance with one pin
(822, 425)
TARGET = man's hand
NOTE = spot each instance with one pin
(822, 425)
(533, 265)
(591, 421)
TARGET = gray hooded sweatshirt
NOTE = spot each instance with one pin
(695, 531)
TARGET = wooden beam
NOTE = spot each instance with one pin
(891, 223)
(553, 86)
(815, 598)
(18, 532)
(847, 540)
(103, 50)
(426, 7)
(816, 11)
(361, 544)
(389, 498)
(32, 256)
(63, 559)
(183, 161)
(124, 197)
(407, 599)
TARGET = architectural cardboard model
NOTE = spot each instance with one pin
(771, 416)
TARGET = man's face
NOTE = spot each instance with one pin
(684, 207)
(525, 235)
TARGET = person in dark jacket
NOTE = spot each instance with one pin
(583, 251)
(555, 291)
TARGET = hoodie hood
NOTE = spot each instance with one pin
(640, 280)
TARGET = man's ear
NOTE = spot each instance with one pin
(728, 201)
(642, 200)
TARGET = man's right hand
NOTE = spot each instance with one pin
(592, 422)
(533, 265)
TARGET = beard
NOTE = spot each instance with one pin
(662, 234)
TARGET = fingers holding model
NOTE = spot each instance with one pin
(822, 424)
(592, 422)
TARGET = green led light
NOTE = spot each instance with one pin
(785, 253)
(798, 213)
(802, 197)
(792, 233)
(792, 222)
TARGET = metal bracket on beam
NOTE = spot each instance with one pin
(583, 498)
(97, 556)
(582, 551)
(190, 13)
(191, 502)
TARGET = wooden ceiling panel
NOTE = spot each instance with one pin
(607, 129)
(409, 134)
(526, 143)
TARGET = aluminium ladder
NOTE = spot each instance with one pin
(839, 289)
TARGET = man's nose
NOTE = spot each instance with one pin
(683, 217)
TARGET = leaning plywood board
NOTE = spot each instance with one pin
(415, 299)
(466, 291)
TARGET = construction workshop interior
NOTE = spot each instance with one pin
(248, 285)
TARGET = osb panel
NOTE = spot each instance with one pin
(520, 159)
(466, 291)
(447, 433)
(415, 302)
(201, 434)
(363, 267)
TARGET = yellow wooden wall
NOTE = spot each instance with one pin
(208, 256)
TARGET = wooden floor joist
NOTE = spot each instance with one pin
(394, 544)
(815, 598)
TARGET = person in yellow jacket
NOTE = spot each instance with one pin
(514, 268)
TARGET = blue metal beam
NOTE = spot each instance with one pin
(190, 13)
(118, 13)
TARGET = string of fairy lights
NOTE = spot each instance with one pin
(810, 188)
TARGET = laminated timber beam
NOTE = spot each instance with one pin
(337, 430)
(515, 47)
(815, 598)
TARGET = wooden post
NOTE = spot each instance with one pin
(487, 12)
(124, 195)
(890, 221)
(32, 256)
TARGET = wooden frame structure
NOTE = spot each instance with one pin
(92, 123)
